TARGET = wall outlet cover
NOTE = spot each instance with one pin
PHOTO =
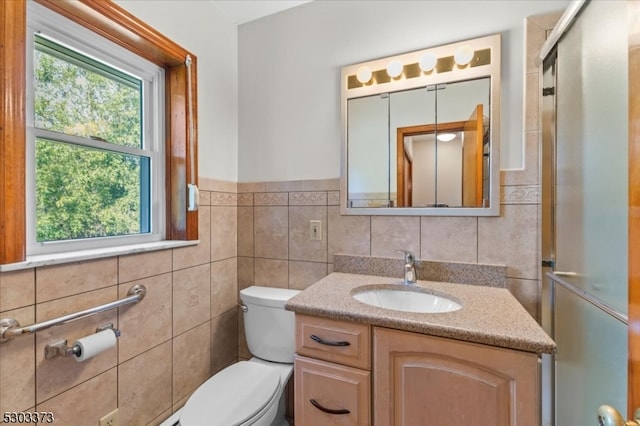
(315, 230)
(111, 419)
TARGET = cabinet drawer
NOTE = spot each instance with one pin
(343, 342)
(331, 394)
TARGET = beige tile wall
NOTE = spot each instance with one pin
(182, 332)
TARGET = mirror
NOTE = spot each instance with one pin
(424, 142)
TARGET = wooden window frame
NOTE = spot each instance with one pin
(117, 25)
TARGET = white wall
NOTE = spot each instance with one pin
(289, 68)
(201, 28)
(369, 148)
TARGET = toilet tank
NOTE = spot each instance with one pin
(268, 327)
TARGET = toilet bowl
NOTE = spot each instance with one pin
(249, 392)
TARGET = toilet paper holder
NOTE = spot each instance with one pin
(61, 348)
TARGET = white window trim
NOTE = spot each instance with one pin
(47, 22)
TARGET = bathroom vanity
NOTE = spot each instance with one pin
(360, 364)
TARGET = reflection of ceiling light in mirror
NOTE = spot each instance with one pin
(394, 69)
(364, 74)
(446, 137)
(428, 62)
(463, 55)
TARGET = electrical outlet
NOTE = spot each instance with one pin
(315, 230)
(110, 419)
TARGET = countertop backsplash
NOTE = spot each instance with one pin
(454, 272)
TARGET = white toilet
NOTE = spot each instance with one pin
(250, 392)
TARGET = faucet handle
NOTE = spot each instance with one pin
(409, 257)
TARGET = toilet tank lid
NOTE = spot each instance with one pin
(267, 296)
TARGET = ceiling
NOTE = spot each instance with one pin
(241, 11)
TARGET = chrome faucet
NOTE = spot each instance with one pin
(410, 276)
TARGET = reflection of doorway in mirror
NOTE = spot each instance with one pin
(436, 172)
(428, 172)
(431, 155)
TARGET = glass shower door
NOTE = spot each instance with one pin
(591, 214)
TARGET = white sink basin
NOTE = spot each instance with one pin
(405, 299)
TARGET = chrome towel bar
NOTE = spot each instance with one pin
(10, 328)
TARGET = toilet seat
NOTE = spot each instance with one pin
(233, 396)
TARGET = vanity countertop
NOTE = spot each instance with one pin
(489, 315)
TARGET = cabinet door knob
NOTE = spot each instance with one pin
(328, 343)
(328, 410)
(609, 416)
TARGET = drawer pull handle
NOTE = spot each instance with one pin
(328, 410)
(328, 343)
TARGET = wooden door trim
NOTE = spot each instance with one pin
(633, 373)
(12, 131)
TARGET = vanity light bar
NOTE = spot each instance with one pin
(443, 64)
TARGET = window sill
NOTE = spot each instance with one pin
(83, 255)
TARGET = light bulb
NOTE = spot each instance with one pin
(446, 137)
(463, 55)
(428, 62)
(394, 69)
(364, 74)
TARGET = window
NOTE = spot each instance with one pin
(94, 159)
(139, 153)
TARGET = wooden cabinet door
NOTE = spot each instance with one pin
(421, 380)
(330, 394)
